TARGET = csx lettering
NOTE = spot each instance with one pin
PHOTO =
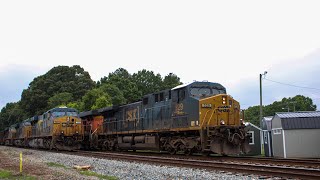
(132, 115)
(224, 109)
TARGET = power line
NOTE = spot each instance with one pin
(292, 85)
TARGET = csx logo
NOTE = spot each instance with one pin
(132, 115)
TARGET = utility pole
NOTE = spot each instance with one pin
(260, 77)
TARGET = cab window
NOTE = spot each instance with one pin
(200, 91)
(181, 95)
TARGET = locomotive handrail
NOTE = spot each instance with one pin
(205, 117)
(94, 131)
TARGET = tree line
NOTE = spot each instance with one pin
(291, 104)
(73, 87)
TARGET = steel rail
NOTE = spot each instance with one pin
(263, 170)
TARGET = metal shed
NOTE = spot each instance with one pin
(296, 134)
(267, 136)
(255, 139)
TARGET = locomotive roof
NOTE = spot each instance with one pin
(88, 113)
(199, 83)
(97, 111)
(62, 109)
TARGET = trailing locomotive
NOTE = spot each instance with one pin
(58, 128)
(198, 117)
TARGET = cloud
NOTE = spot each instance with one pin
(13, 79)
(298, 72)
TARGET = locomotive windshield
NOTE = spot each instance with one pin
(205, 91)
(200, 91)
(60, 114)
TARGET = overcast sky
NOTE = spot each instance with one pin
(226, 42)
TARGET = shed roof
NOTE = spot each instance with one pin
(267, 123)
(268, 118)
(300, 120)
(299, 114)
(252, 125)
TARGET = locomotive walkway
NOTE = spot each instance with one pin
(267, 167)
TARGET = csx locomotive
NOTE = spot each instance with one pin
(195, 118)
(58, 128)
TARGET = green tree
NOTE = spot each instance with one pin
(147, 82)
(60, 79)
(95, 98)
(297, 103)
(170, 81)
(78, 105)
(252, 115)
(122, 79)
(102, 101)
(117, 97)
(11, 114)
(60, 99)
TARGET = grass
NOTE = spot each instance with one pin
(52, 164)
(5, 174)
(9, 175)
(100, 176)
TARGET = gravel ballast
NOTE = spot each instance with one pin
(124, 169)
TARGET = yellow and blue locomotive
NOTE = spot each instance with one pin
(59, 128)
(198, 117)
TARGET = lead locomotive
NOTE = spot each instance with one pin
(199, 117)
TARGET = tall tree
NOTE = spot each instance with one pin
(60, 79)
(170, 81)
(95, 98)
(122, 79)
(60, 99)
(114, 92)
(147, 82)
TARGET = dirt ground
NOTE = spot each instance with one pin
(9, 160)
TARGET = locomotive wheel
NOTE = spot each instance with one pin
(105, 146)
(110, 148)
(188, 152)
(172, 151)
(117, 148)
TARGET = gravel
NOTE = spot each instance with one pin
(130, 170)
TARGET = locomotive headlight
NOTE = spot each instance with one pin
(223, 102)
(222, 122)
(62, 132)
(241, 122)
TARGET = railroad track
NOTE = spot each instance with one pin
(237, 167)
(307, 163)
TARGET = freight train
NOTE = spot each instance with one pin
(196, 118)
(58, 128)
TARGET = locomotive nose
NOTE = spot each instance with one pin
(219, 110)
